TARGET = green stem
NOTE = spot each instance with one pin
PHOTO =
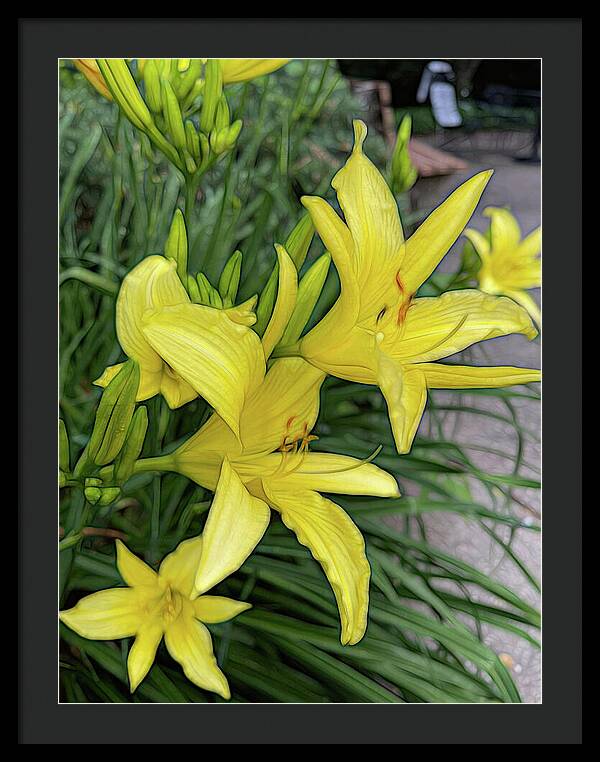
(159, 463)
(291, 350)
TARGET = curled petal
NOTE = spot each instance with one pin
(287, 291)
(440, 326)
(336, 543)
(220, 359)
(151, 285)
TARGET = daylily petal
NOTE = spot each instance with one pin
(405, 393)
(506, 233)
(479, 241)
(527, 302)
(150, 381)
(213, 609)
(132, 569)
(335, 235)
(151, 285)
(369, 208)
(179, 567)
(142, 652)
(327, 472)
(220, 359)
(531, 245)
(282, 408)
(235, 525)
(336, 543)
(343, 353)
(243, 69)
(174, 389)
(439, 376)
(189, 643)
(106, 615)
(440, 326)
(287, 291)
(432, 240)
(91, 71)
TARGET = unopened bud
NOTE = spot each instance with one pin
(309, 291)
(230, 279)
(133, 445)
(114, 415)
(176, 246)
(213, 88)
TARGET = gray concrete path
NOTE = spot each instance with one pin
(517, 185)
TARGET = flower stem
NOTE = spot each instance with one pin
(291, 350)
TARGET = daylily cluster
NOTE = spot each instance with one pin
(254, 451)
(160, 96)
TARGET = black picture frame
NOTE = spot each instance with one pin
(558, 718)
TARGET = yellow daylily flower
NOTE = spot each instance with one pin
(91, 71)
(243, 69)
(156, 605)
(378, 332)
(273, 468)
(184, 349)
(510, 264)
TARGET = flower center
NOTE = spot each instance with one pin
(169, 605)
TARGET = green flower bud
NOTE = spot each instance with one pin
(176, 246)
(404, 174)
(133, 445)
(172, 114)
(233, 133)
(213, 88)
(152, 86)
(309, 291)
(92, 494)
(189, 78)
(193, 290)
(192, 140)
(114, 415)
(124, 90)
(297, 246)
(108, 496)
(230, 279)
(208, 292)
(222, 116)
(64, 458)
(204, 149)
(204, 288)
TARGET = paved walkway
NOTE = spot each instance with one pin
(516, 184)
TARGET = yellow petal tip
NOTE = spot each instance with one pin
(360, 133)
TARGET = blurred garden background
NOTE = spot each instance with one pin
(455, 595)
